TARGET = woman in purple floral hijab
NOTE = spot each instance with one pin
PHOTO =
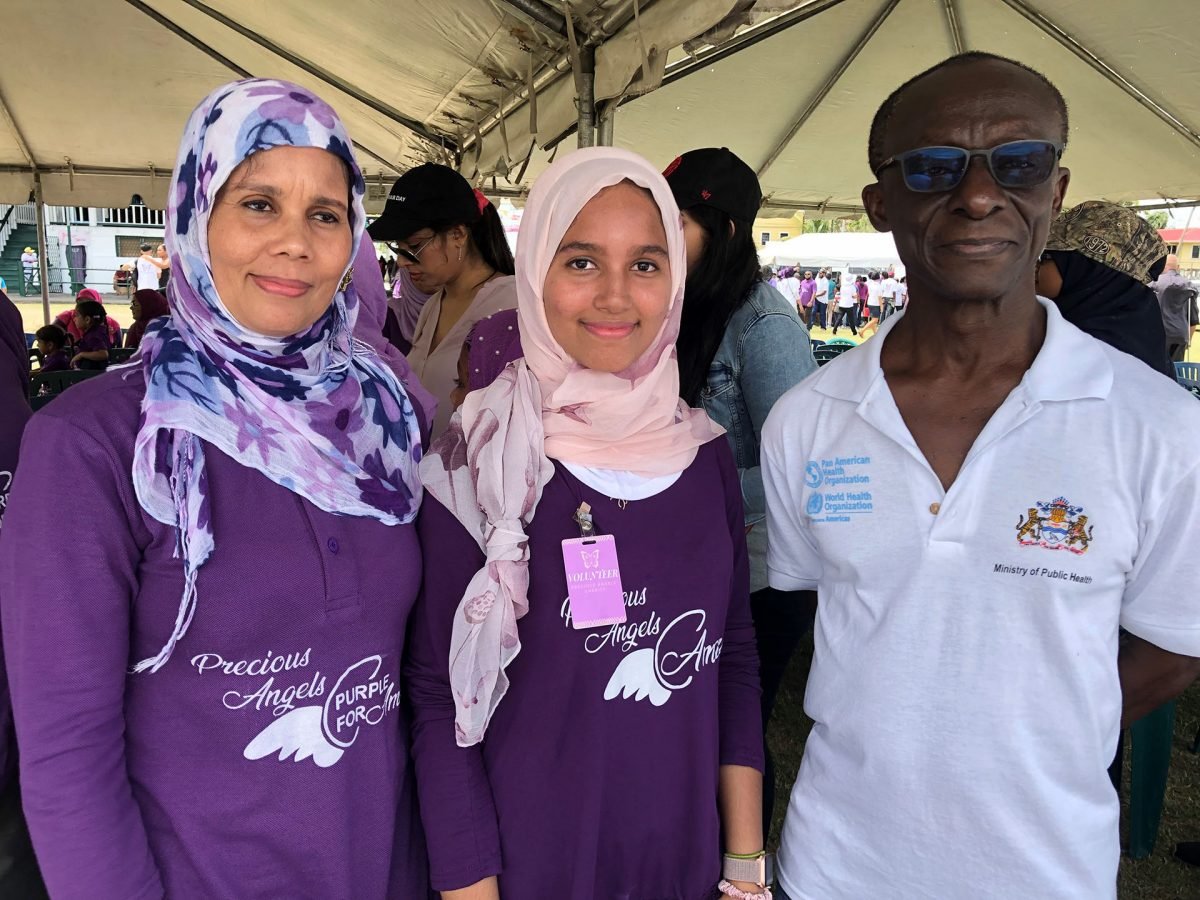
(206, 689)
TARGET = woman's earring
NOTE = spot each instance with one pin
(346, 279)
(460, 252)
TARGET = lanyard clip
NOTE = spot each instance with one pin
(583, 518)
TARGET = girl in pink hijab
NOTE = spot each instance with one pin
(582, 666)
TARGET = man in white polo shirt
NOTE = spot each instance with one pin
(1038, 490)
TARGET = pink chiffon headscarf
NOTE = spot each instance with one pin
(490, 467)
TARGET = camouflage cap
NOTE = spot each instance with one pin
(1112, 235)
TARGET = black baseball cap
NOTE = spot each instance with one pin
(429, 196)
(716, 177)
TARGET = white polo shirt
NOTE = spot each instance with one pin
(964, 684)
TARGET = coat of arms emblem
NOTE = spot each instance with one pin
(1056, 525)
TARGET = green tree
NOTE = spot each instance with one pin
(1157, 219)
(857, 224)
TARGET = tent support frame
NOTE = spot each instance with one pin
(747, 38)
(43, 267)
(824, 89)
(586, 129)
(320, 74)
(952, 23)
(1143, 99)
(226, 62)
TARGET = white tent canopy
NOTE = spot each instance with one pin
(95, 94)
(838, 249)
(98, 99)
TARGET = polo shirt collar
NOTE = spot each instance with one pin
(1071, 365)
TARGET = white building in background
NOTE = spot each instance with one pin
(110, 237)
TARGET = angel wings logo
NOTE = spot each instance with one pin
(321, 731)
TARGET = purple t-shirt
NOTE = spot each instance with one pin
(808, 287)
(95, 338)
(598, 774)
(58, 361)
(268, 757)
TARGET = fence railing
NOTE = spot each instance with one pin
(69, 215)
(66, 281)
(8, 224)
(26, 214)
(132, 215)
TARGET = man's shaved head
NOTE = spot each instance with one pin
(876, 153)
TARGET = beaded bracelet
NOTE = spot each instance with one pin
(730, 890)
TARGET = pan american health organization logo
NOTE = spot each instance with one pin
(1056, 525)
(838, 488)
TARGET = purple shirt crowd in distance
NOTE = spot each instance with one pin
(598, 773)
(269, 757)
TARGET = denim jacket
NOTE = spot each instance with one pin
(765, 352)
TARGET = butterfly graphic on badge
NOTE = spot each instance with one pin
(591, 558)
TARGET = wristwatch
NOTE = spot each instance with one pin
(752, 869)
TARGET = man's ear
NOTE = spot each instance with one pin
(873, 202)
(1060, 188)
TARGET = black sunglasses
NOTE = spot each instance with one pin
(412, 256)
(1017, 164)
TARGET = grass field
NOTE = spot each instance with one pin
(1158, 877)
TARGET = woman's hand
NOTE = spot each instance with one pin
(487, 889)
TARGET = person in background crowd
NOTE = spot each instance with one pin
(372, 325)
(19, 877)
(789, 287)
(29, 268)
(820, 300)
(741, 347)
(769, 276)
(91, 350)
(66, 318)
(847, 305)
(874, 304)
(52, 344)
(887, 295)
(1098, 261)
(451, 241)
(829, 310)
(146, 306)
(149, 267)
(123, 279)
(405, 307)
(808, 290)
(493, 343)
(556, 758)
(1177, 303)
(164, 273)
(960, 745)
(901, 293)
(864, 294)
(198, 727)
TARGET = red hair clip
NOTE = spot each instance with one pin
(483, 201)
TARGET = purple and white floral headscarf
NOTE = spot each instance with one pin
(317, 412)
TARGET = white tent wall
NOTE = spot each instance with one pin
(839, 249)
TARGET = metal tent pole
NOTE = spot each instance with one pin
(43, 269)
(608, 116)
(586, 136)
